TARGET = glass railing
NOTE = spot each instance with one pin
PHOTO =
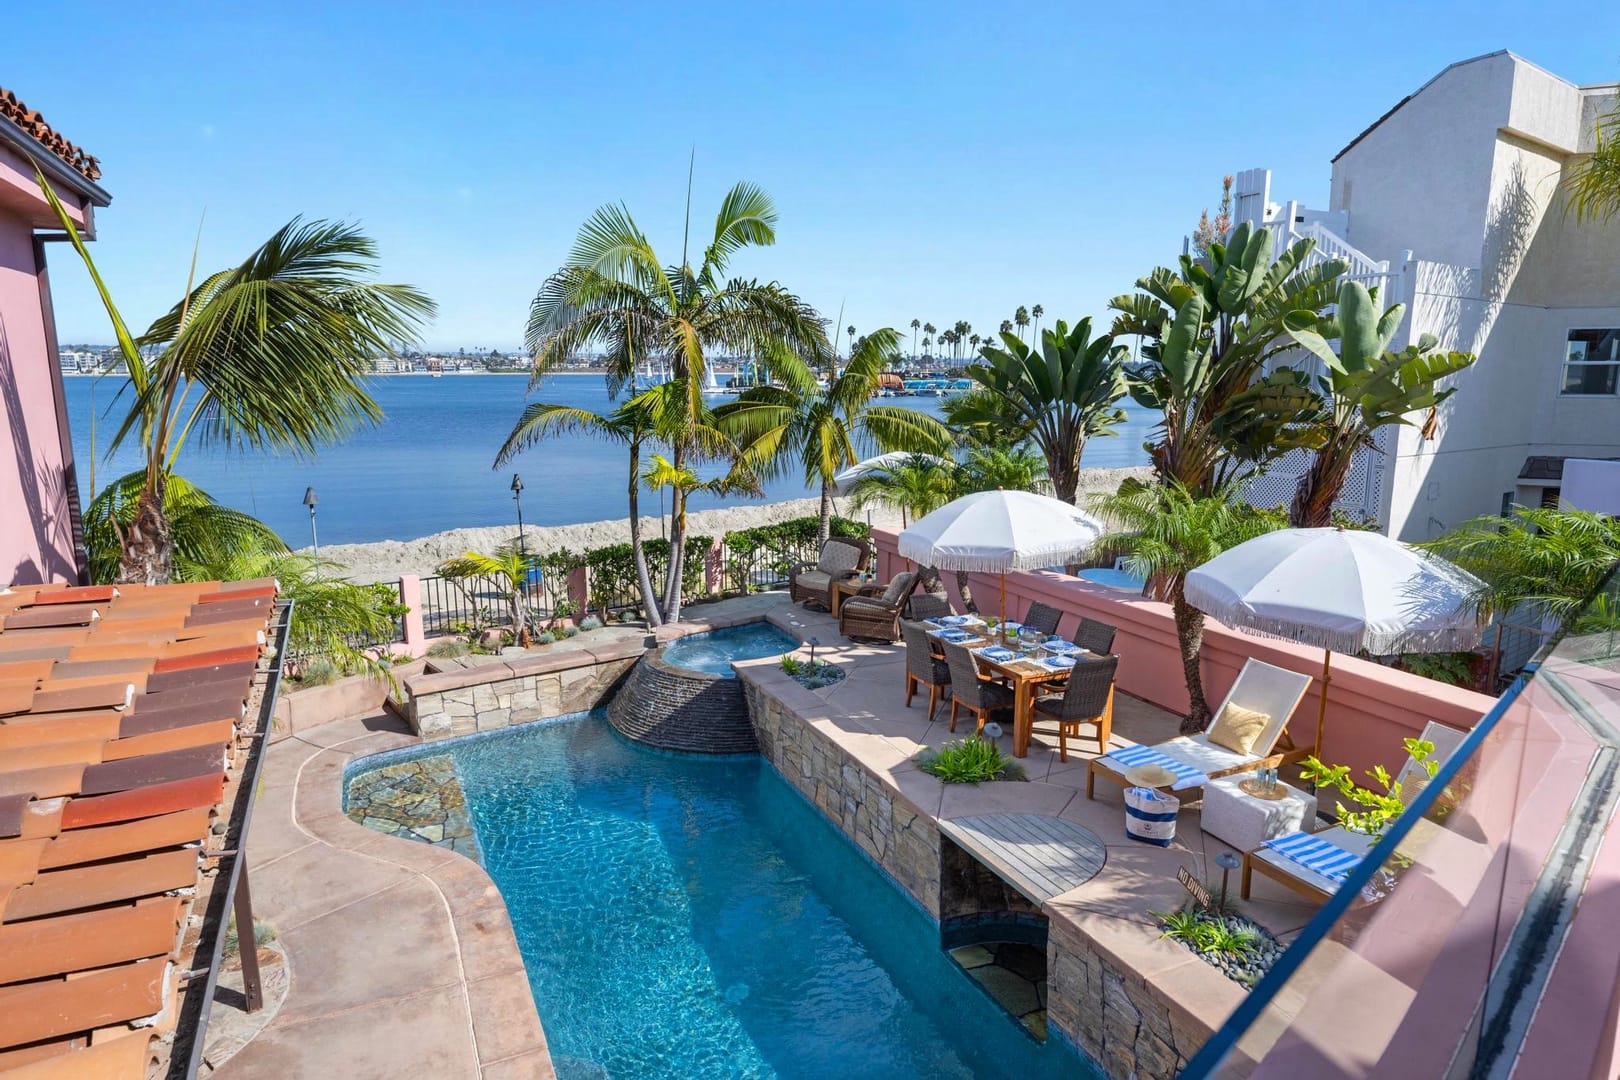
(1481, 935)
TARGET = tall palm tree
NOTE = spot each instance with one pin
(851, 329)
(1006, 326)
(203, 534)
(1165, 531)
(1035, 329)
(615, 293)
(973, 342)
(915, 323)
(1062, 395)
(801, 424)
(962, 329)
(927, 343)
(1021, 319)
(271, 354)
(931, 330)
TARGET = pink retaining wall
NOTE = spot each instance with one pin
(1371, 708)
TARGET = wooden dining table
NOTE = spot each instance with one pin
(1025, 675)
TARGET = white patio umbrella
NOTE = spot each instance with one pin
(845, 480)
(1345, 590)
(996, 531)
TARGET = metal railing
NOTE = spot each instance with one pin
(451, 605)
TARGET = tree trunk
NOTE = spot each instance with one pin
(1190, 637)
(148, 554)
(649, 597)
(824, 524)
(965, 593)
(677, 544)
(1318, 489)
(1063, 469)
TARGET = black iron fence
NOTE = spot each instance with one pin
(460, 605)
(1511, 646)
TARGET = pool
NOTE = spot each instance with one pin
(714, 651)
(683, 917)
(1113, 578)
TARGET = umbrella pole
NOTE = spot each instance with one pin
(1003, 602)
(1321, 707)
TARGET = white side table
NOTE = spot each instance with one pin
(1246, 821)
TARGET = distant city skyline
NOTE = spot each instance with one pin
(936, 162)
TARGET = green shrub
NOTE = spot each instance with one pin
(263, 934)
(544, 638)
(1208, 933)
(447, 648)
(1451, 668)
(969, 761)
(777, 547)
(570, 631)
(319, 671)
(613, 570)
(590, 622)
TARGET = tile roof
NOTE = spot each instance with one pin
(35, 126)
(120, 713)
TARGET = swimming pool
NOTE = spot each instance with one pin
(693, 917)
(715, 650)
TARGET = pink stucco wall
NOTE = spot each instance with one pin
(36, 528)
(1371, 708)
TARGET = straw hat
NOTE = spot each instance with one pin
(1150, 776)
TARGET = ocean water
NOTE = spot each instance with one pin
(427, 467)
(685, 917)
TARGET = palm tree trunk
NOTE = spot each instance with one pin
(1190, 638)
(1063, 468)
(824, 524)
(649, 598)
(965, 593)
(677, 542)
(148, 552)
(1318, 489)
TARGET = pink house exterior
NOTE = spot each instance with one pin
(40, 534)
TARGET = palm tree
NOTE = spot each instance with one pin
(915, 323)
(931, 330)
(917, 485)
(202, 533)
(962, 329)
(1021, 319)
(1062, 395)
(614, 293)
(1035, 314)
(1365, 388)
(1592, 186)
(1165, 530)
(1000, 468)
(851, 330)
(1006, 326)
(630, 425)
(973, 342)
(270, 355)
(1544, 560)
(509, 568)
(802, 424)
(928, 343)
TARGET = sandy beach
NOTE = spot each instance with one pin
(388, 559)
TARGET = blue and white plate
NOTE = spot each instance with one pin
(953, 635)
(1063, 648)
(997, 653)
(1060, 662)
(956, 620)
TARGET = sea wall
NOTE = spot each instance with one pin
(486, 697)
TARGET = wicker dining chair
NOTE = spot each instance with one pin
(1087, 699)
(1043, 617)
(841, 557)
(877, 617)
(970, 690)
(927, 606)
(1095, 636)
(923, 667)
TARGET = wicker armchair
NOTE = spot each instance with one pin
(1043, 617)
(841, 557)
(923, 667)
(877, 617)
(970, 690)
(1087, 699)
(927, 606)
(1095, 636)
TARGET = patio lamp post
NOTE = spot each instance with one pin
(309, 501)
(517, 497)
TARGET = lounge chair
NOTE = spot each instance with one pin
(923, 667)
(1043, 617)
(970, 689)
(1261, 688)
(841, 557)
(1087, 699)
(877, 617)
(1286, 869)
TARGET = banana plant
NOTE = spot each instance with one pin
(1208, 330)
(1366, 387)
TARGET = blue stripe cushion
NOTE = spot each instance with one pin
(1316, 854)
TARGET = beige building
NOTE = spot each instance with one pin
(1452, 203)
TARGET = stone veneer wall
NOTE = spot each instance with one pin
(675, 708)
(903, 841)
(487, 697)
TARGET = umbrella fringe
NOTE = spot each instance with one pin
(1376, 644)
(992, 564)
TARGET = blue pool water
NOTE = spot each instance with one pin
(715, 650)
(686, 917)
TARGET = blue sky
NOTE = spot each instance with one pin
(939, 160)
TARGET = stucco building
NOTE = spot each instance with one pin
(1452, 203)
(40, 535)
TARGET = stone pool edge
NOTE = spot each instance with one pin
(315, 874)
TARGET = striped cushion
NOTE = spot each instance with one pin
(1131, 756)
(1315, 854)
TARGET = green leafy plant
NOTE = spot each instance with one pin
(792, 665)
(569, 630)
(263, 934)
(1205, 932)
(1451, 668)
(507, 569)
(545, 637)
(969, 761)
(775, 548)
(1548, 561)
(590, 622)
(441, 650)
(1380, 806)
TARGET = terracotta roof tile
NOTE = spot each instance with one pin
(96, 695)
(152, 769)
(16, 696)
(43, 818)
(126, 665)
(43, 652)
(191, 678)
(92, 939)
(144, 802)
(152, 721)
(213, 733)
(109, 1059)
(44, 755)
(25, 669)
(48, 617)
(95, 999)
(32, 730)
(236, 655)
(12, 809)
(76, 594)
(235, 590)
(81, 887)
(19, 860)
(43, 783)
(130, 838)
(29, 638)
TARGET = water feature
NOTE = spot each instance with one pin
(714, 651)
(684, 916)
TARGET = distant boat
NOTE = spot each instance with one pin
(437, 375)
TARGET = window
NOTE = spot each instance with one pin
(1592, 363)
